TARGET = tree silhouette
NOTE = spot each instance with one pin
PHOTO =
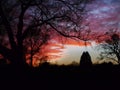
(85, 60)
(19, 18)
(34, 42)
(111, 47)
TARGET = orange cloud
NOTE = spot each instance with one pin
(54, 48)
(76, 43)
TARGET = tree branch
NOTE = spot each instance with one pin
(8, 27)
(63, 34)
(40, 24)
(20, 24)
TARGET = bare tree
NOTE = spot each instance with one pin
(19, 17)
(110, 49)
(34, 42)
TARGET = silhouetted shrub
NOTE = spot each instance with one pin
(85, 60)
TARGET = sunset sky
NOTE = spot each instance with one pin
(102, 15)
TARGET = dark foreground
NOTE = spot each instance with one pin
(48, 77)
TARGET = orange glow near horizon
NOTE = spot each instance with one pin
(55, 52)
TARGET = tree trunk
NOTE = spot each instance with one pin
(118, 57)
(16, 57)
(19, 58)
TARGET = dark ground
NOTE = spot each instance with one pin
(48, 77)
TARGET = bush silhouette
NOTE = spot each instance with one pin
(85, 60)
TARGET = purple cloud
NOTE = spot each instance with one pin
(104, 15)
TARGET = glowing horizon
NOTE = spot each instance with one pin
(73, 53)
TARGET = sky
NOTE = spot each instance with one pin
(102, 16)
(69, 51)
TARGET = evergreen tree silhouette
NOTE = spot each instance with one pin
(85, 60)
